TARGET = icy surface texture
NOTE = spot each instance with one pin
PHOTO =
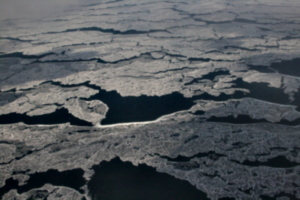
(235, 65)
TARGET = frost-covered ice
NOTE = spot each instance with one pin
(244, 115)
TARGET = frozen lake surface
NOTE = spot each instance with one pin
(132, 99)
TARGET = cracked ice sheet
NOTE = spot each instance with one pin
(260, 141)
(154, 48)
(263, 110)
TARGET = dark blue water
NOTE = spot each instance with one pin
(277, 162)
(113, 31)
(277, 196)
(59, 116)
(117, 180)
(262, 91)
(142, 108)
(210, 76)
(245, 119)
(288, 67)
(148, 108)
(21, 55)
(211, 154)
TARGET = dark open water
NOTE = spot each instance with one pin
(117, 180)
